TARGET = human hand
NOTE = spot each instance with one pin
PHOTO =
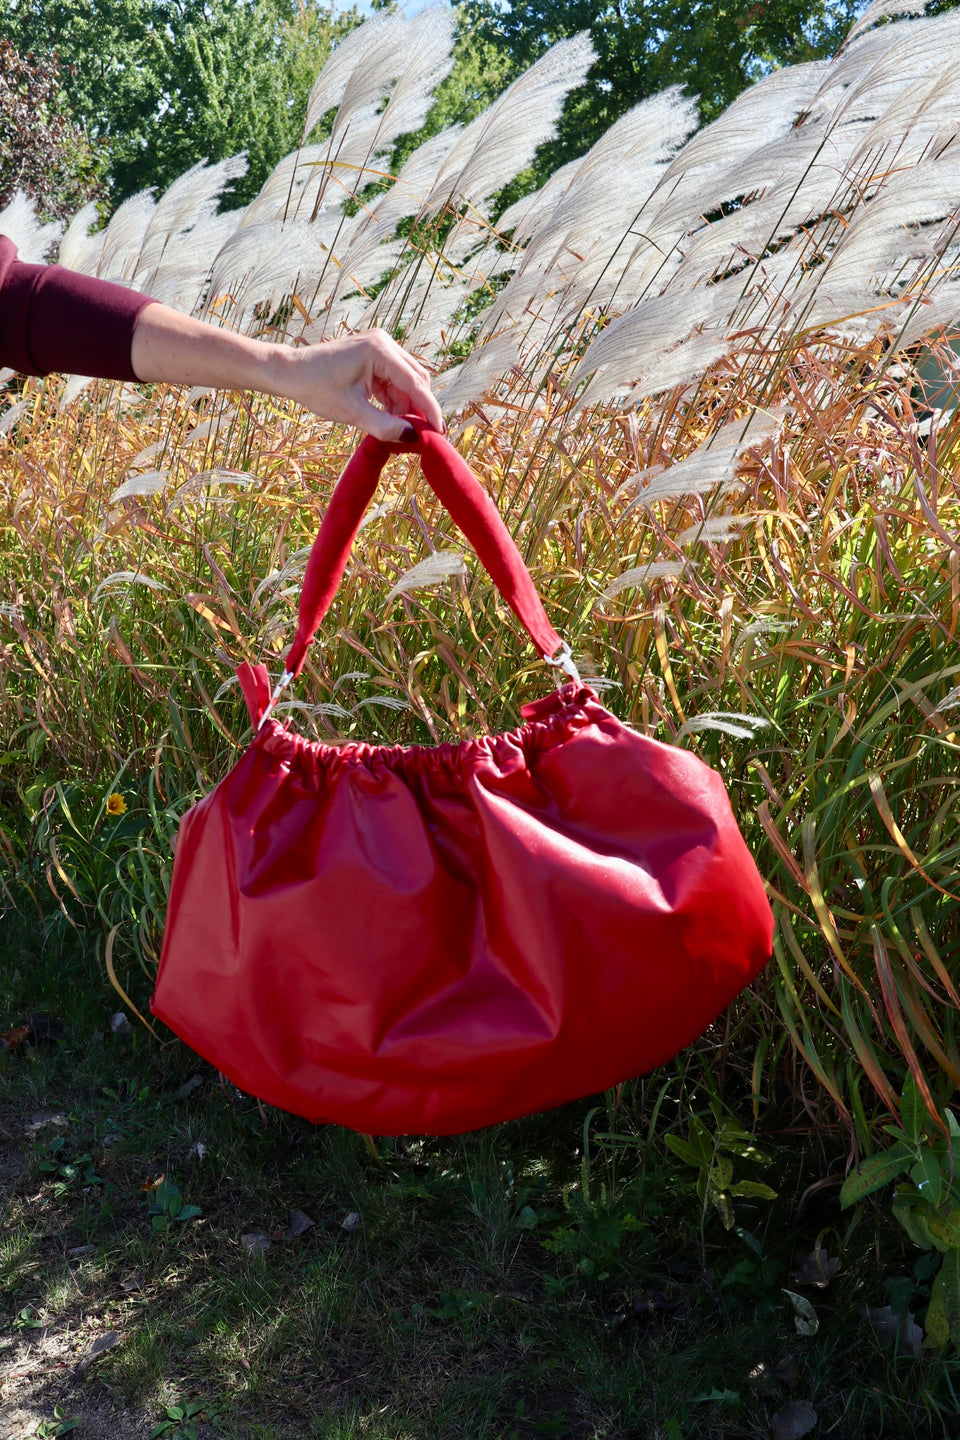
(340, 380)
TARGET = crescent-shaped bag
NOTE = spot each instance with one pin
(429, 940)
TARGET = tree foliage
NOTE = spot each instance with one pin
(165, 83)
(716, 48)
(41, 151)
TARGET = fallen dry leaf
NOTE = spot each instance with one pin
(350, 1222)
(12, 1038)
(256, 1243)
(818, 1268)
(785, 1370)
(121, 1026)
(100, 1346)
(299, 1224)
(899, 1331)
(44, 1118)
(793, 1420)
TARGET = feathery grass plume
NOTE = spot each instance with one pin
(707, 469)
(331, 84)
(73, 389)
(11, 415)
(938, 311)
(78, 244)
(714, 530)
(363, 125)
(181, 276)
(440, 565)
(112, 253)
(150, 482)
(576, 224)
(868, 75)
(19, 222)
(641, 345)
(429, 38)
(639, 575)
(502, 141)
(126, 578)
(882, 10)
(190, 202)
(483, 369)
(415, 179)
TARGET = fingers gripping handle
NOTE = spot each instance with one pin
(467, 503)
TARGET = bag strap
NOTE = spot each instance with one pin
(467, 503)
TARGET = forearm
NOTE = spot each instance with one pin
(184, 351)
(363, 379)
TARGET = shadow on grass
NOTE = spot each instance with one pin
(462, 1288)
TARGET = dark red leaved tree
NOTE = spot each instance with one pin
(42, 151)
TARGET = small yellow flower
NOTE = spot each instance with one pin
(116, 805)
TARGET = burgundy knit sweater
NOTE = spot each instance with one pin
(55, 319)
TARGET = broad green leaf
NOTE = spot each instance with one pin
(928, 1177)
(684, 1151)
(945, 1226)
(912, 1218)
(721, 1172)
(936, 1326)
(874, 1173)
(699, 1137)
(724, 1209)
(740, 1142)
(943, 1312)
(753, 1190)
(190, 1212)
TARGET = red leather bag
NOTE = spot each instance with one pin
(429, 940)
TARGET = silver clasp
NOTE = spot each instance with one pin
(278, 690)
(563, 660)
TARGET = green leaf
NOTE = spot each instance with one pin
(686, 1152)
(740, 1142)
(527, 1219)
(945, 1227)
(721, 1172)
(167, 1196)
(190, 1212)
(914, 1221)
(946, 1288)
(753, 1190)
(724, 1209)
(936, 1325)
(928, 1177)
(66, 1426)
(805, 1317)
(874, 1173)
(699, 1137)
(912, 1110)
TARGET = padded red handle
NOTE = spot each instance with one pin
(467, 503)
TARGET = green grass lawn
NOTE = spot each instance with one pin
(495, 1285)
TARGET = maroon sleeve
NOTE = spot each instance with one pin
(56, 319)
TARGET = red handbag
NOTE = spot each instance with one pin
(429, 940)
